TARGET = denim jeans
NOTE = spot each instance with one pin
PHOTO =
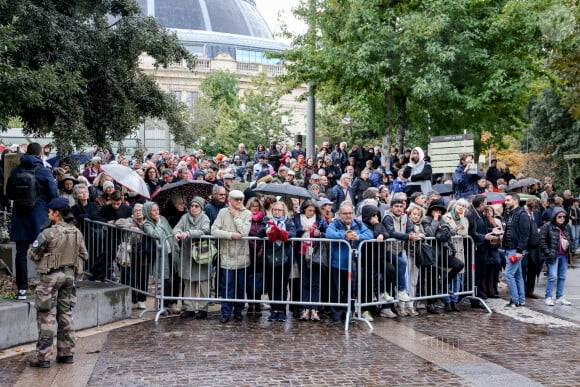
(400, 262)
(455, 286)
(515, 278)
(232, 285)
(557, 270)
(575, 236)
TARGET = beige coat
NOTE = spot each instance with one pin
(460, 229)
(234, 254)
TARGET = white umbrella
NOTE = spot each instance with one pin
(127, 178)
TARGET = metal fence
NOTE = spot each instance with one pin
(122, 255)
(389, 268)
(310, 276)
(297, 273)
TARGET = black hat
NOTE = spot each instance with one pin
(437, 204)
(58, 203)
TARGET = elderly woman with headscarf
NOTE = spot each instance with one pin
(195, 276)
(158, 228)
(459, 225)
(418, 171)
(135, 267)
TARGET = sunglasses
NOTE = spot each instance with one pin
(561, 217)
(195, 206)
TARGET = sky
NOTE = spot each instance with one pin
(270, 9)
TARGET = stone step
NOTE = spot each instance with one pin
(98, 303)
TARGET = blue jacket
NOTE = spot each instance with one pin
(340, 197)
(339, 252)
(465, 183)
(26, 227)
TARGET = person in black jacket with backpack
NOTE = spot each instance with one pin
(27, 222)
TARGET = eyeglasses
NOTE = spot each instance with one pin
(347, 213)
(195, 206)
(277, 209)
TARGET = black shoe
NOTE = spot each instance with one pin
(238, 316)
(511, 305)
(39, 364)
(224, 319)
(432, 309)
(533, 296)
(200, 315)
(454, 307)
(477, 305)
(295, 314)
(251, 309)
(65, 359)
(187, 314)
(448, 307)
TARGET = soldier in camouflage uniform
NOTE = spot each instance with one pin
(59, 252)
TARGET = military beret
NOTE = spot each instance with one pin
(58, 203)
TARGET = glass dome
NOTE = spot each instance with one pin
(238, 17)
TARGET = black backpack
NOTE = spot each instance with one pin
(22, 188)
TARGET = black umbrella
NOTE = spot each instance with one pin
(443, 189)
(285, 190)
(495, 197)
(185, 189)
(523, 183)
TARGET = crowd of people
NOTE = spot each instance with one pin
(355, 198)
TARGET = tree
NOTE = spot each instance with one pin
(553, 132)
(431, 67)
(67, 69)
(222, 119)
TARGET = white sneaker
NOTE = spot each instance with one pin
(549, 301)
(21, 295)
(388, 313)
(386, 297)
(265, 306)
(403, 296)
(563, 301)
(141, 305)
(367, 316)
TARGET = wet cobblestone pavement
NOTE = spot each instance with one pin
(530, 346)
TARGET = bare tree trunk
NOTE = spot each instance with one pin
(388, 133)
(401, 125)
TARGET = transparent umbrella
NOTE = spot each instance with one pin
(127, 178)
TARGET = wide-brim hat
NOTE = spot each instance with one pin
(437, 204)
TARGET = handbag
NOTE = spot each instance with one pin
(424, 255)
(203, 251)
(564, 242)
(123, 256)
(275, 258)
(320, 254)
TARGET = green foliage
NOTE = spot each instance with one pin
(66, 70)
(222, 119)
(553, 133)
(426, 68)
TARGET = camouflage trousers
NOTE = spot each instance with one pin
(56, 295)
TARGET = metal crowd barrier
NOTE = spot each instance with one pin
(390, 266)
(306, 281)
(122, 255)
(309, 280)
